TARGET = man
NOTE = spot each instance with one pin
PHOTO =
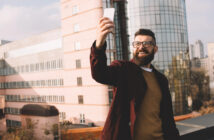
(141, 108)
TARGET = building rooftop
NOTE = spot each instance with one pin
(39, 110)
(2, 42)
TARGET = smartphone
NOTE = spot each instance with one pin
(109, 13)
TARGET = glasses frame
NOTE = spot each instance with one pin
(143, 43)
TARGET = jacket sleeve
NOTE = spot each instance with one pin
(100, 71)
(172, 132)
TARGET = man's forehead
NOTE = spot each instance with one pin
(143, 38)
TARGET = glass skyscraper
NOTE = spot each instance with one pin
(167, 19)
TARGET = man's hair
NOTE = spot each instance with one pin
(146, 32)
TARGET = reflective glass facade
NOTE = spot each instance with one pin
(117, 44)
(167, 18)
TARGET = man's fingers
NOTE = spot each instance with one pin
(103, 18)
(107, 31)
(106, 22)
(106, 27)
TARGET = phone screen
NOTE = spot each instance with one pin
(109, 12)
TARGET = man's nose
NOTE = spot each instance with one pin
(141, 46)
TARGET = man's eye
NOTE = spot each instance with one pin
(138, 43)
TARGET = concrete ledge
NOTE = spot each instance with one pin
(199, 128)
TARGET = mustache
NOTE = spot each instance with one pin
(143, 50)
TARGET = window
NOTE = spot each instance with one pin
(49, 83)
(43, 98)
(61, 83)
(43, 82)
(6, 97)
(54, 82)
(62, 99)
(76, 28)
(78, 63)
(75, 9)
(27, 68)
(37, 67)
(77, 46)
(41, 66)
(110, 94)
(62, 115)
(82, 118)
(39, 99)
(22, 68)
(19, 69)
(31, 67)
(48, 65)
(53, 64)
(60, 63)
(54, 98)
(80, 99)
(31, 99)
(182, 37)
(38, 83)
(50, 98)
(79, 81)
(13, 123)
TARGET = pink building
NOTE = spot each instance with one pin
(53, 68)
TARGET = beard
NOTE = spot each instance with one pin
(145, 60)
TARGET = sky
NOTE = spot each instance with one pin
(200, 20)
(23, 18)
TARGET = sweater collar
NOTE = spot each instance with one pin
(144, 68)
(147, 69)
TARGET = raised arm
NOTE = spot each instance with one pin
(100, 71)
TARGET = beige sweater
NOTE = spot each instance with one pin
(148, 122)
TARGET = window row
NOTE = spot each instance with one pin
(148, 3)
(29, 84)
(11, 110)
(12, 123)
(35, 98)
(43, 66)
(162, 19)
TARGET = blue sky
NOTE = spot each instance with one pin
(23, 18)
(31, 3)
(200, 20)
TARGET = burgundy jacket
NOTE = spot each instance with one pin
(130, 87)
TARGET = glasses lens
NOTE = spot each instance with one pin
(136, 43)
(145, 44)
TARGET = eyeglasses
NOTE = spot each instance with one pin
(145, 44)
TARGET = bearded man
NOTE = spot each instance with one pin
(141, 108)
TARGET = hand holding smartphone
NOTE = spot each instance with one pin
(105, 27)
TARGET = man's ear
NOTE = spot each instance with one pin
(156, 49)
